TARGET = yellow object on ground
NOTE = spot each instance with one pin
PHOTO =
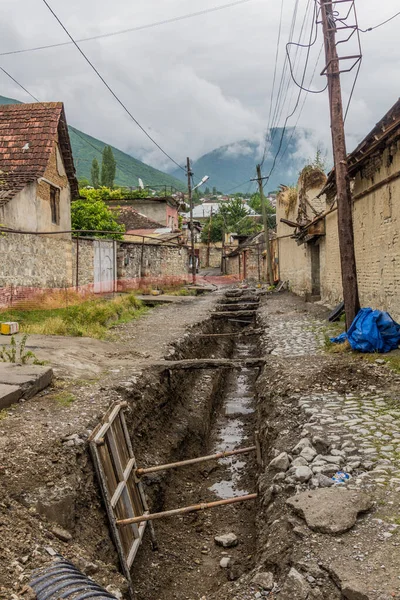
(9, 328)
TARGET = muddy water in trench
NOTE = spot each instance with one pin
(188, 564)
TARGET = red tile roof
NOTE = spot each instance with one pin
(27, 136)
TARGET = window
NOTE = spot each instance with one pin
(55, 205)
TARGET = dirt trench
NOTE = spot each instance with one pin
(171, 415)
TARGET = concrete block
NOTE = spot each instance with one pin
(31, 379)
(8, 395)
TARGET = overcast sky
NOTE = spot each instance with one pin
(195, 84)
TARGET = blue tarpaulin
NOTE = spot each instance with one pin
(372, 331)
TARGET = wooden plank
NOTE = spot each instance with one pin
(209, 363)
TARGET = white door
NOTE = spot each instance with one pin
(104, 266)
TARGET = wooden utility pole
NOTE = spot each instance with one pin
(270, 271)
(344, 200)
(192, 251)
(209, 238)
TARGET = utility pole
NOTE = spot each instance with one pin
(265, 221)
(344, 199)
(209, 238)
(192, 252)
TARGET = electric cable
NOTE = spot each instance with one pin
(75, 131)
(380, 24)
(131, 29)
(110, 89)
(315, 14)
(273, 81)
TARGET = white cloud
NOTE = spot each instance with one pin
(194, 85)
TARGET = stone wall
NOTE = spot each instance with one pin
(141, 265)
(215, 256)
(32, 263)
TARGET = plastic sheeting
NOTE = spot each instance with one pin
(372, 331)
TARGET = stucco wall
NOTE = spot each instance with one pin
(294, 259)
(30, 210)
(376, 218)
(157, 211)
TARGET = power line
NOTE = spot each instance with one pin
(75, 131)
(131, 29)
(110, 89)
(273, 82)
(380, 24)
(315, 14)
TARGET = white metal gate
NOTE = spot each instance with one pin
(104, 266)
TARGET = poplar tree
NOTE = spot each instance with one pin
(95, 173)
(108, 168)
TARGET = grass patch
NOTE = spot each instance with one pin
(182, 292)
(64, 398)
(3, 414)
(91, 318)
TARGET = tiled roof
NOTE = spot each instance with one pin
(132, 219)
(27, 136)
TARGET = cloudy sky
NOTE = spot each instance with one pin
(194, 84)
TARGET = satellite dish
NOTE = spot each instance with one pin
(141, 184)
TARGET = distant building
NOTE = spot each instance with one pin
(163, 210)
(37, 174)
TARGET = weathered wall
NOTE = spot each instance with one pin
(85, 263)
(157, 211)
(149, 264)
(215, 256)
(30, 263)
(376, 217)
(30, 210)
(294, 260)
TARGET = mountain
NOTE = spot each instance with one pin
(85, 148)
(235, 164)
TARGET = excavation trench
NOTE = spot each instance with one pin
(210, 411)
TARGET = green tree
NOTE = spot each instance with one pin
(232, 212)
(255, 204)
(94, 215)
(216, 228)
(108, 167)
(207, 191)
(95, 173)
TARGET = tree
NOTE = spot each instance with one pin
(83, 182)
(94, 215)
(108, 167)
(216, 228)
(95, 173)
(248, 226)
(207, 191)
(233, 211)
(255, 204)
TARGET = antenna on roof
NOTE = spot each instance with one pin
(141, 184)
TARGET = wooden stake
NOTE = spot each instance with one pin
(209, 363)
(193, 461)
(185, 510)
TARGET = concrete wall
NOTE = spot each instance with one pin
(30, 209)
